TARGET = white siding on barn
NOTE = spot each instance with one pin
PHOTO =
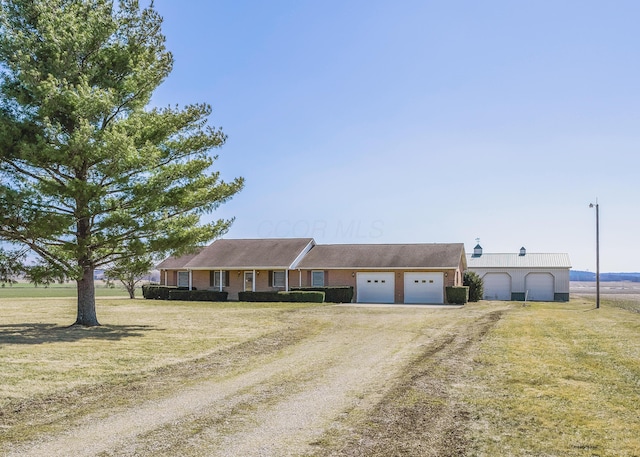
(554, 268)
(518, 279)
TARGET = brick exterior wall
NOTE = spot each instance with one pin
(202, 280)
(348, 278)
(168, 277)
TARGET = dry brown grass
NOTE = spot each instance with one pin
(558, 380)
(42, 356)
(547, 379)
(60, 378)
(144, 348)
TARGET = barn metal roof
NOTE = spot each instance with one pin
(514, 260)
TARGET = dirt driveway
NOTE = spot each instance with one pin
(341, 380)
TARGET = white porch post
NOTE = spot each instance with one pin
(286, 280)
(253, 282)
(166, 278)
(190, 280)
(221, 281)
(299, 278)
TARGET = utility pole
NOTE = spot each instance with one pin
(591, 205)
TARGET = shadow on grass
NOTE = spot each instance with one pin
(32, 333)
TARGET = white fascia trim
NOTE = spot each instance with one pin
(250, 268)
(380, 268)
(294, 266)
(304, 252)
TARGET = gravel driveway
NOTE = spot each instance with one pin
(359, 381)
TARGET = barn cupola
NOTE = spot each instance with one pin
(523, 251)
(477, 251)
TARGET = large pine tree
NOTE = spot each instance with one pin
(89, 174)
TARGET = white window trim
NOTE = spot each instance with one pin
(313, 274)
(219, 279)
(284, 278)
(181, 274)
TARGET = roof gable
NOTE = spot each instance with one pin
(269, 253)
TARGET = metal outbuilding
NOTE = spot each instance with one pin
(522, 276)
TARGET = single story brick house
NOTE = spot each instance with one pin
(521, 275)
(238, 265)
(379, 273)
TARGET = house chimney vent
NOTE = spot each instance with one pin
(523, 251)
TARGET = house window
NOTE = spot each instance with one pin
(317, 279)
(278, 279)
(183, 279)
(214, 279)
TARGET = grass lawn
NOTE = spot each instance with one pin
(41, 355)
(559, 380)
(27, 290)
(549, 379)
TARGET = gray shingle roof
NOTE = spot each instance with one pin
(172, 263)
(269, 253)
(388, 256)
(512, 260)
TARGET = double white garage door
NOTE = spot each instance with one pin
(538, 286)
(379, 287)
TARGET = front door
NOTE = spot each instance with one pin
(248, 281)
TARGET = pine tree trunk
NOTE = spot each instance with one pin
(87, 299)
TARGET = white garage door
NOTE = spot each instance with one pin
(375, 288)
(539, 286)
(423, 288)
(497, 286)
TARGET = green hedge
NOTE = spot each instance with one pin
(270, 296)
(300, 296)
(458, 295)
(154, 292)
(336, 294)
(275, 296)
(197, 295)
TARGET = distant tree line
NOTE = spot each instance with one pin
(577, 275)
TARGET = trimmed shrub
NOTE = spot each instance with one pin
(275, 296)
(300, 296)
(265, 296)
(336, 294)
(154, 292)
(458, 295)
(476, 286)
(198, 295)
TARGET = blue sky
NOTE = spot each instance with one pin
(422, 121)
